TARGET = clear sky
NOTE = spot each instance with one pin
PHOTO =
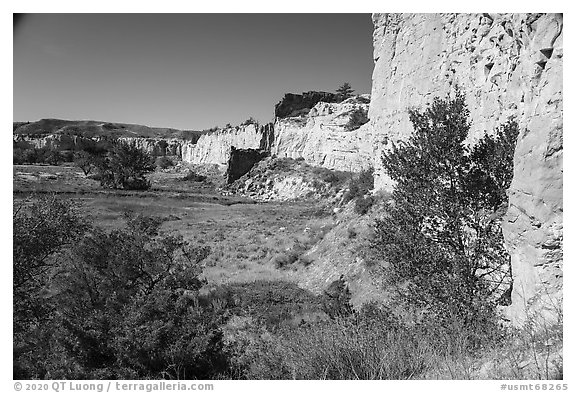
(186, 71)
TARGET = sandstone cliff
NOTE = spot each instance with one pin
(154, 146)
(158, 146)
(322, 138)
(214, 148)
(296, 104)
(509, 65)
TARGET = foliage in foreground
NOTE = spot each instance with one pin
(125, 304)
(41, 229)
(119, 304)
(441, 239)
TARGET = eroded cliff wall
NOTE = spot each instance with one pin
(321, 136)
(153, 146)
(508, 65)
(215, 147)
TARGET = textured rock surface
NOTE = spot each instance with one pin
(154, 146)
(158, 146)
(241, 161)
(281, 179)
(55, 142)
(321, 137)
(509, 65)
(214, 148)
(295, 104)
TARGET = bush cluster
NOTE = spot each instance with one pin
(164, 162)
(193, 176)
(123, 303)
(359, 188)
(358, 118)
(125, 166)
(41, 156)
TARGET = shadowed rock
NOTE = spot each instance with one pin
(297, 104)
(241, 161)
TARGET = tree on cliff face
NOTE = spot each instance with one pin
(344, 91)
(125, 167)
(441, 238)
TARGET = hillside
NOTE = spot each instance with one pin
(93, 128)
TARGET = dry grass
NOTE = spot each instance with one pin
(244, 237)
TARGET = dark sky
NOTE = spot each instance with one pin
(187, 71)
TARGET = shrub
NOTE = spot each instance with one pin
(441, 237)
(125, 167)
(330, 176)
(42, 229)
(358, 117)
(164, 162)
(128, 307)
(272, 304)
(18, 156)
(35, 155)
(249, 121)
(363, 205)
(359, 185)
(193, 176)
(54, 157)
(285, 259)
(85, 161)
(336, 299)
(343, 348)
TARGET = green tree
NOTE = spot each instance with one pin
(344, 91)
(125, 167)
(441, 238)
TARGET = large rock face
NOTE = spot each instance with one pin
(215, 147)
(296, 104)
(241, 161)
(321, 137)
(508, 65)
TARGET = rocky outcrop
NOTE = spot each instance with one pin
(241, 161)
(284, 179)
(153, 146)
(322, 137)
(158, 146)
(508, 65)
(215, 147)
(298, 104)
(54, 142)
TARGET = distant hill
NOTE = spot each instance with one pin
(92, 128)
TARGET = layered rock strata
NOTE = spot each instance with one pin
(298, 104)
(322, 136)
(214, 148)
(153, 146)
